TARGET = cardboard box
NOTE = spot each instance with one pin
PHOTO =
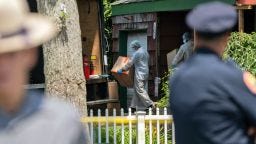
(113, 90)
(170, 56)
(126, 78)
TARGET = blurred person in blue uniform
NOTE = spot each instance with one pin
(213, 101)
(29, 117)
(139, 60)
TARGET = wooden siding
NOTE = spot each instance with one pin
(136, 18)
(171, 27)
(89, 23)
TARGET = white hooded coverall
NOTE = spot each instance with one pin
(140, 60)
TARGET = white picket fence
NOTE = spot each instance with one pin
(139, 128)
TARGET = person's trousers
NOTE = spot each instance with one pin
(141, 98)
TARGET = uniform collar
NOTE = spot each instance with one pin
(31, 104)
(205, 50)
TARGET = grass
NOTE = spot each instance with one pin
(126, 135)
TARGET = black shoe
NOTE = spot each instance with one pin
(133, 110)
(153, 108)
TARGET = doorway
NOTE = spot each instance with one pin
(141, 36)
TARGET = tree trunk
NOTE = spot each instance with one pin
(63, 67)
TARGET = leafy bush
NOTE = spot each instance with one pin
(126, 135)
(242, 48)
(107, 18)
(164, 89)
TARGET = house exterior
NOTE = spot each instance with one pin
(93, 49)
(159, 25)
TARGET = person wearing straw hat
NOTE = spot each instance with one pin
(213, 101)
(29, 117)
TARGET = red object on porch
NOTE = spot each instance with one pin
(247, 2)
(92, 69)
(87, 69)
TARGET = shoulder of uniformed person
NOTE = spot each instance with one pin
(54, 122)
(63, 117)
(233, 72)
(59, 109)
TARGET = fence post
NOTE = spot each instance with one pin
(114, 125)
(140, 127)
(130, 127)
(150, 127)
(157, 127)
(92, 137)
(107, 129)
(173, 133)
(122, 114)
(99, 126)
(165, 127)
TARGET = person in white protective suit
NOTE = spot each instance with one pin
(139, 60)
(185, 50)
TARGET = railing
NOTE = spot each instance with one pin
(139, 128)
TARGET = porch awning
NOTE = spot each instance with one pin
(156, 6)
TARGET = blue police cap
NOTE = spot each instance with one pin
(212, 17)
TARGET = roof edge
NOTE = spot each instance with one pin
(158, 6)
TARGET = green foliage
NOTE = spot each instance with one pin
(126, 135)
(242, 48)
(164, 89)
(63, 18)
(118, 135)
(108, 28)
(107, 18)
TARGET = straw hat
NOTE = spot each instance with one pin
(20, 29)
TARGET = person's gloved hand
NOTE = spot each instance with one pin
(120, 71)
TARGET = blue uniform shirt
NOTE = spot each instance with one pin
(30, 105)
(210, 101)
(41, 120)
